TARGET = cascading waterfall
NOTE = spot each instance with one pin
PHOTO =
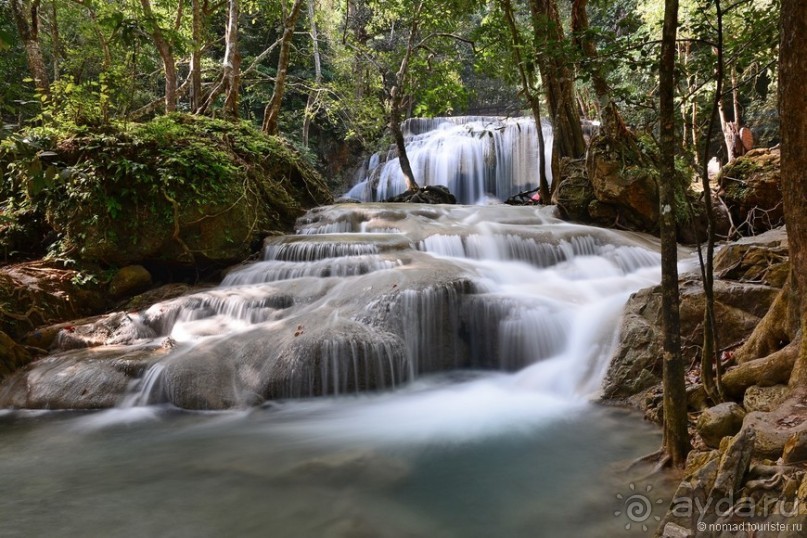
(452, 351)
(458, 287)
(476, 157)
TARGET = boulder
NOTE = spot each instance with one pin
(129, 281)
(631, 189)
(430, 194)
(775, 428)
(82, 379)
(764, 260)
(751, 188)
(738, 307)
(722, 420)
(33, 294)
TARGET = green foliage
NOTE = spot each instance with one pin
(114, 180)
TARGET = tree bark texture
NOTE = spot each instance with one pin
(166, 54)
(558, 80)
(26, 18)
(232, 60)
(793, 117)
(271, 114)
(676, 437)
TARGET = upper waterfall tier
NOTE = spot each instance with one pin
(476, 157)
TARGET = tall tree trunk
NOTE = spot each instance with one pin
(710, 359)
(195, 74)
(232, 60)
(612, 124)
(526, 71)
(166, 54)
(314, 92)
(395, 89)
(271, 114)
(56, 39)
(26, 17)
(793, 117)
(676, 437)
(558, 81)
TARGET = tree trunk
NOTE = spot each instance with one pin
(612, 124)
(710, 359)
(793, 117)
(395, 98)
(558, 80)
(29, 33)
(232, 60)
(271, 114)
(676, 437)
(166, 54)
(314, 92)
(527, 73)
(195, 74)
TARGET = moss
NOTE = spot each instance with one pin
(178, 188)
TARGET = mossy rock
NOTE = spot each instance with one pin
(179, 189)
(752, 189)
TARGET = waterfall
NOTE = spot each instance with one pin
(347, 306)
(476, 157)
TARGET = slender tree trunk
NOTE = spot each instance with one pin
(56, 39)
(195, 74)
(710, 359)
(558, 80)
(271, 114)
(395, 99)
(527, 74)
(676, 437)
(312, 95)
(166, 54)
(612, 124)
(232, 60)
(28, 29)
(793, 117)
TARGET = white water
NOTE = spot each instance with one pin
(453, 351)
(475, 157)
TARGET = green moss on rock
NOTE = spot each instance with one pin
(179, 189)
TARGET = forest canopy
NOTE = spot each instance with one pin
(323, 70)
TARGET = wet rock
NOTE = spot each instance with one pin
(128, 281)
(363, 467)
(738, 307)
(765, 399)
(430, 194)
(12, 355)
(722, 420)
(82, 379)
(751, 188)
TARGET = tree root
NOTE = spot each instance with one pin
(771, 370)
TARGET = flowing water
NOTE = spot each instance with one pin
(476, 157)
(424, 372)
